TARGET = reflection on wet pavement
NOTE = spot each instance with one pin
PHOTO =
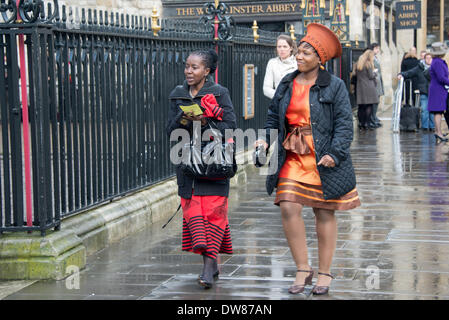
(395, 246)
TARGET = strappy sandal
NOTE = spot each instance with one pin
(320, 290)
(299, 288)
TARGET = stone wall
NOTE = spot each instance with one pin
(136, 7)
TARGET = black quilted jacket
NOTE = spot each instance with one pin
(332, 130)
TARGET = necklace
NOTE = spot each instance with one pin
(190, 92)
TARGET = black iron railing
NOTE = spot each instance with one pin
(97, 86)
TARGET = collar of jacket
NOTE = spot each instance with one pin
(182, 92)
(288, 61)
(422, 64)
(323, 79)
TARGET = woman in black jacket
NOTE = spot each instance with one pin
(408, 63)
(204, 201)
(422, 76)
(312, 112)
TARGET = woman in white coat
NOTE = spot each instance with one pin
(280, 66)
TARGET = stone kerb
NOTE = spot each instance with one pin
(24, 256)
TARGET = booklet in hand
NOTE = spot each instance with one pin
(195, 108)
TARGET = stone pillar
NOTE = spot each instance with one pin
(441, 20)
(372, 29)
(356, 25)
(421, 34)
(382, 24)
(390, 23)
(405, 38)
(385, 58)
(395, 61)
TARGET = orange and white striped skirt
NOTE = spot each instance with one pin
(312, 196)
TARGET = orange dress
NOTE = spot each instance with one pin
(301, 168)
(299, 180)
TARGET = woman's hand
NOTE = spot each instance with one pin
(327, 161)
(261, 142)
(191, 117)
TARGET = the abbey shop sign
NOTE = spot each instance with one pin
(408, 15)
(275, 10)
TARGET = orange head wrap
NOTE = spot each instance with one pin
(324, 41)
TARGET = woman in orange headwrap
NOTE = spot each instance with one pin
(312, 111)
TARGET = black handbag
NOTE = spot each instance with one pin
(212, 159)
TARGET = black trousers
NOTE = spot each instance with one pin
(374, 120)
(364, 115)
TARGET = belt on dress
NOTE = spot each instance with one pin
(295, 141)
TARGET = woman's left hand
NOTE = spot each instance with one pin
(327, 161)
(190, 116)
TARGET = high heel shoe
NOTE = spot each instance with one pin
(299, 288)
(440, 139)
(203, 283)
(320, 290)
(216, 274)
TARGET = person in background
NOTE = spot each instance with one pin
(446, 113)
(366, 92)
(422, 55)
(422, 74)
(279, 66)
(409, 62)
(439, 78)
(374, 120)
(446, 58)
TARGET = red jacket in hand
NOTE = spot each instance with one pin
(212, 110)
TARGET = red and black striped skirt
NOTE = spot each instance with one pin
(206, 226)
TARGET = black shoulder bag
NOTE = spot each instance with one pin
(209, 159)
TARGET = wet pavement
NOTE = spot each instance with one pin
(395, 246)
